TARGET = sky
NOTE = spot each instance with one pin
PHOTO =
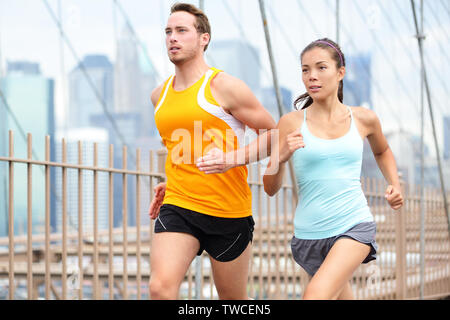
(382, 28)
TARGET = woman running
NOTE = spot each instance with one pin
(334, 228)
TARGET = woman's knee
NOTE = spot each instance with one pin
(314, 291)
(317, 291)
(311, 294)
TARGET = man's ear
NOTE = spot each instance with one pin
(205, 37)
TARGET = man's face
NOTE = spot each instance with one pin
(183, 42)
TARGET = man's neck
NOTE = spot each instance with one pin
(189, 72)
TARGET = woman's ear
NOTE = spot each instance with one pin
(341, 73)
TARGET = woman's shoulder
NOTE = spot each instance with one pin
(364, 115)
(291, 119)
(290, 122)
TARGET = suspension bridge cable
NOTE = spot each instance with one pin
(86, 75)
(242, 31)
(403, 45)
(277, 90)
(33, 151)
(430, 108)
(446, 7)
(406, 19)
(388, 60)
(105, 110)
(438, 20)
(283, 32)
(363, 66)
(433, 66)
(137, 40)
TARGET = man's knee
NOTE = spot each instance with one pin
(227, 292)
(233, 296)
(160, 289)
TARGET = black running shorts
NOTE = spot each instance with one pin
(224, 239)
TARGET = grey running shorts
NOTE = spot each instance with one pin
(310, 254)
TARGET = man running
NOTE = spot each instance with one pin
(201, 114)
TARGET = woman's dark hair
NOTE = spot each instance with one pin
(337, 55)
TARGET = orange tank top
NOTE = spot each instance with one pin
(190, 123)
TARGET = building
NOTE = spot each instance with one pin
(403, 146)
(84, 100)
(128, 124)
(268, 99)
(30, 96)
(88, 136)
(237, 58)
(357, 81)
(369, 167)
(358, 92)
(134, 80)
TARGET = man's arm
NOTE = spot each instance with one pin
(156, 93)
(237, 99)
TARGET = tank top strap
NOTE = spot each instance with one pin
(212, 72)
(351, 113)
(166, 87)
(353, 127)
(352, 122)
(349, 109)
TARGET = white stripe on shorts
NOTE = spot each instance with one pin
(162, 223)
(230, 246)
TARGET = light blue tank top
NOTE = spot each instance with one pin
(330, 197)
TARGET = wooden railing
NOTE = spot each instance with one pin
(91, 261)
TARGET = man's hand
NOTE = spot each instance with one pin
(216, 161)
(160, 191)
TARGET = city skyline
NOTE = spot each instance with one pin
(30, 95)
(88, 87)
(365, 27)
(99, 119)
(130, 48)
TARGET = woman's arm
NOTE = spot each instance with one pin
(289, 139)
(384, 158)
(273, 182)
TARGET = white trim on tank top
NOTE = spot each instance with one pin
(169, 83)
(338, 138)
(217, 111)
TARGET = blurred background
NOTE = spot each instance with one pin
(84, 70)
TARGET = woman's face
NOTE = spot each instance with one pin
(320, 74)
